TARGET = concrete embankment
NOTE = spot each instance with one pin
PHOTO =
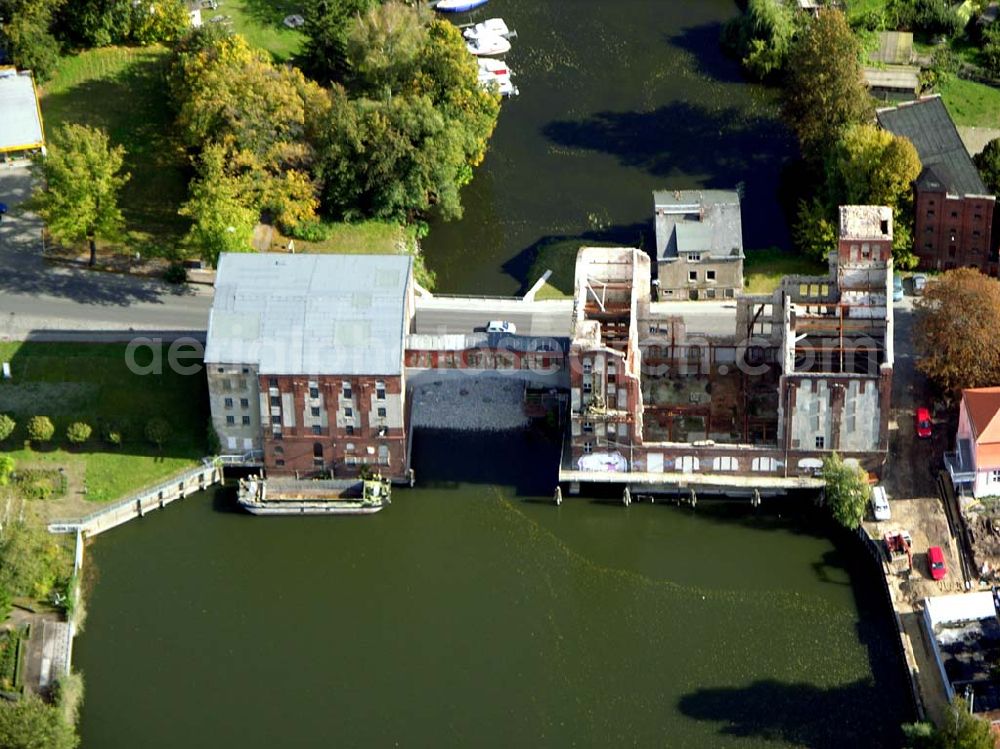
(142, 502)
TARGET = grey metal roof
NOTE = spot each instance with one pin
(927, 123)
(903, 78)
(310, 314)
(20, 121)
(894, 48)
(706, 221)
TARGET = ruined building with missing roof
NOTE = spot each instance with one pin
(806, 371)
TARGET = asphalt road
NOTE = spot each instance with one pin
(36, 296)
(59, 302)
(443, 315)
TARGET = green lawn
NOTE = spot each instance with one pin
(970, 103)
(123, 90)
(366, 237)
(92, 383)
(260, 21)
(764, 269)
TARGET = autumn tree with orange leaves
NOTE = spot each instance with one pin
(958, 322)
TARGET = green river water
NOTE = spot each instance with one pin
(470, 612)
(617, 99)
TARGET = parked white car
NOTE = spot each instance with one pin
(880, 504)
(501, 326)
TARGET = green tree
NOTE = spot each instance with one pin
(25, 35)
(158, 21)
(92, 23)
(814, 232)
(228, 92)
(40, 429)
(78, 432)
(391, 160)
(871, 166)
(960, 729)
(223, 220)
(7, 465)
(956, 323)
(846, 490)
(825, 89)
(990, 54)
(762, 36)
(158, 431)
(327, 25)
(988, 163)
(7, 426)
(30, 723)
(449, 75)
(382, 47)
(81, 178)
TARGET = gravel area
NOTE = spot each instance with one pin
(470, 405)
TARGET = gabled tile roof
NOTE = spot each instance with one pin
(928, 125)
(983, 407)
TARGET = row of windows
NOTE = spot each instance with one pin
(231, 421)
(346, 389)
(244, 403)
(954, 214)
(709, 276)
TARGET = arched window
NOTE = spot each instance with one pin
(279, 450)
(317, 449)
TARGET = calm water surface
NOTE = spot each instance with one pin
(617, 99)
(469, 614)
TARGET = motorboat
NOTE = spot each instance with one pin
(458, 6)
(494, 66)
(490, 26)
(496, 71)
(503, 84)
(487, 45)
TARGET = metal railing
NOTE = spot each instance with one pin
(252, 458)
(64, 526)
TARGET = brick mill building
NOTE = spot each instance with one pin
(305, 361)
(953, 221)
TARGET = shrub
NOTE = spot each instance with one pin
(157, 430)
(78, 432)
(40, 429)
(175, 273)
(7, 465)
(7, 426)
(112, 432)
(309, 231)
(40, 484)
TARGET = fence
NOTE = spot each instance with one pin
(146, 500)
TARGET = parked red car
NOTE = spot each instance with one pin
(935, 560)
(923, 423)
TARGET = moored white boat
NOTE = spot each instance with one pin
(496, 71)
(487, 45)
(490, 26)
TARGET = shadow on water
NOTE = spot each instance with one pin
(797, 712)
(641, 234)
(528, 461)
(737, 148)
(702, 43)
